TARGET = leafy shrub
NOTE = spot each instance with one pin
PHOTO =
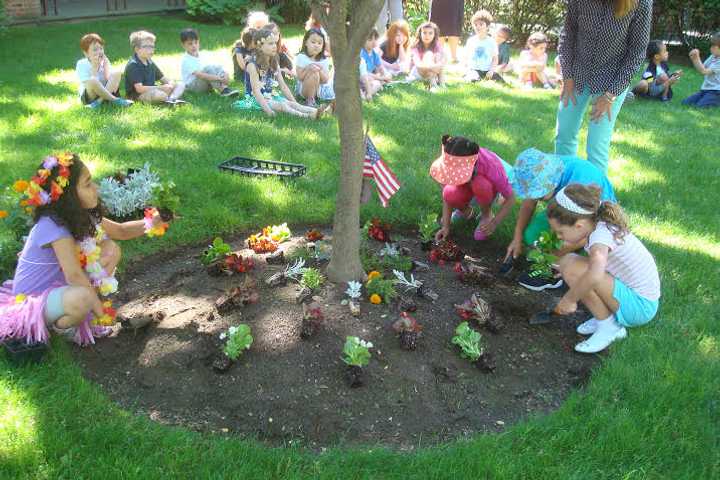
(123, 199)
(230, 12)
(384, 288)
(237, 339)
(692, 22)
(215, 251)
(165, 196)
(9, 248)
(469, 342)
(311, 278)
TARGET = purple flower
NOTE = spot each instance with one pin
(44, 197)
(50, 162)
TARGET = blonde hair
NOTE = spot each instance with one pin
(137, 38)
(623, 7)
(588, 198)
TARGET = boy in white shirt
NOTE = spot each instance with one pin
(481, 50)
(198, 75)
(98, 82)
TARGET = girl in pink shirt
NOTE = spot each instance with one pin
(427, 56)
(469, 172)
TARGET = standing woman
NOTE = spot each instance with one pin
(448, 16)
(601, 47)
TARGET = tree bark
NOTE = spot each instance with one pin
(346, 40)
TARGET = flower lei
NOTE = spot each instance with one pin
(33, 189)
(89, 255)
(150, 229)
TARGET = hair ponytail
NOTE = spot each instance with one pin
(587, 198)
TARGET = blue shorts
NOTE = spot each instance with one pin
(54, 308)
(635, 310)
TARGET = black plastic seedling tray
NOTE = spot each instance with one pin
(21, 353)
(263, 168)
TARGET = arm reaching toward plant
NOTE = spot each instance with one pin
(128, 230)
(527, 208)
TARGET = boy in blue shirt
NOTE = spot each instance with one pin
(376, 76)
(709, 94)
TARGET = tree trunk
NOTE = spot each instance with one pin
(346, 40)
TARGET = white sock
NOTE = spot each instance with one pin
(608, 325)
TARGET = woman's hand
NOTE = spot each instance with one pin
(601, 106)
(565, 307)
(442, 234)
(568, 93)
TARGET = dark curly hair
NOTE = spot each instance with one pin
(66, 210)
(459, 146)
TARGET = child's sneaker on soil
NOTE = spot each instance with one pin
(607, 332)
(537, 281)
(229, 92)
(588, 327)
(95, 104)
(122, 102)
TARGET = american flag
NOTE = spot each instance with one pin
(385, 180)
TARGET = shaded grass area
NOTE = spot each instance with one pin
(651, 411)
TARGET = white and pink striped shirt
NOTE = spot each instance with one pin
(629, 261)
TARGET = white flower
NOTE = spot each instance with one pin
(223, 336)
(232, 330)
(365, 344)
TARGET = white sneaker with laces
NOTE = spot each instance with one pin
(588, 327)
(607, 332)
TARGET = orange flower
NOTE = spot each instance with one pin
(373, 275)
(3, 213)
(55, 191)
(20, 186)
(375, 298)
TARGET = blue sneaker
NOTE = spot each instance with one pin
(122, 102)
(95, 104)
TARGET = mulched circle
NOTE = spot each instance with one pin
(289, 390)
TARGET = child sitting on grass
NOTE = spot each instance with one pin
(427, 56)
(395, 56)
(262, 75)
(69, 257)
(709, 94)
(376, 74)
(198, 74)
(243, 49)
(481, 50)
(532, 64)
(618, 281)
(312, 69)
(284, 59)
(657, 81)
(502, 39)
(98, 81)
(142, 75)
(468, 172)
(536, 177)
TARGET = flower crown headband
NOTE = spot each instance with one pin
(36, 195)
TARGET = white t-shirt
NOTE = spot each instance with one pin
(480, 53)
(302, 61)
(191, 65)
(712, 81)
(83, 70)
(629, 261)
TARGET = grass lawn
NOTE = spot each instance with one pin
(651, 411)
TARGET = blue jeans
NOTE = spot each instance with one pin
(569, 121)
(704, 99)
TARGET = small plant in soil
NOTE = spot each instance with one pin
(427, 227)
(312, 319)
(166, 199)
(479, 310)
(380, 290)
(471, 348)
(446, 251)
(291, 272)
(398, 262)
(323, 251)
(303, 253)
(411, 285)
(370, 261)
(474, 274)
(237, 339)
(408, 330)
(244, 294)
(356, 354)
(215, 251)
(354, 291)
(261, 244)
(389, 250)
(377, 230)
(314, 235)
(311, 278)
(542, 255)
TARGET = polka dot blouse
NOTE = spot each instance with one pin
(599, 51)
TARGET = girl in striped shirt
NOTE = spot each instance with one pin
(618, 281)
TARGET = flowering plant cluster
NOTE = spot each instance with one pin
(152, 230)
(379, 289)
(356, 352)
(33, 190)
(237, 339)
(377, 230)
(269, 238)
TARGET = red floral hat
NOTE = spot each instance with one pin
(450, 169)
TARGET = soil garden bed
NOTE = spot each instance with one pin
(286, 389)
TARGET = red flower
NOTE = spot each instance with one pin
(55, 191)
(434, 256)
(441, 262)
(39, 180)
(458, 267)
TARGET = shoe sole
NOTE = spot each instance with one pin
(549, 286)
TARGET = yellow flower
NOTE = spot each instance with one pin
(3, 213)
(20, 298)
(65, 159)
(62, 181)
(373, 275)
(28, 210)
(20, 186)
(375, 298)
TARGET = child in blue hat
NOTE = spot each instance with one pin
(538, 176)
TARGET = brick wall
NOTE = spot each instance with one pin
(23, 8)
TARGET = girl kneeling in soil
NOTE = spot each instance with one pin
(51, 287)
(468, 172)
(262, 74)
(618, 282)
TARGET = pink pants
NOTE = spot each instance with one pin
(459, 196)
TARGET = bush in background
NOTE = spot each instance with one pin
(690, 22)
(230, 12)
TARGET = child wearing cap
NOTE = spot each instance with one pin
(467, 171)
(539, 176)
